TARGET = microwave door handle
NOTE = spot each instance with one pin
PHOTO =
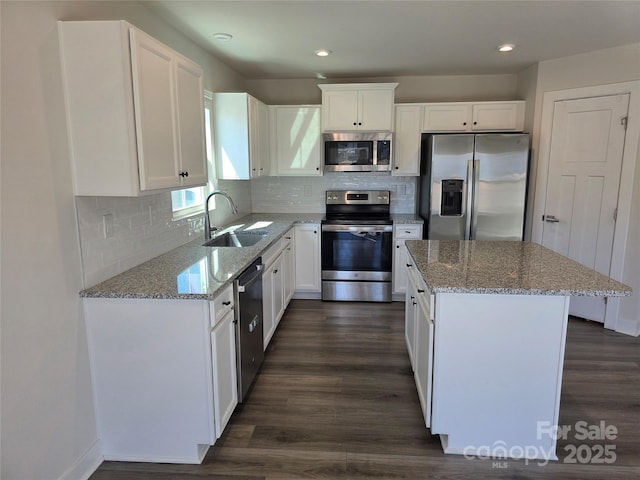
(375, 153)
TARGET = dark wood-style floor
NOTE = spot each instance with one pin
(335, 399)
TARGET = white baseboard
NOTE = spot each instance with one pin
(88, 463)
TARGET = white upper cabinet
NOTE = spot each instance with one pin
(477, 116)
(135, 111)
(295, 140)
(241, 139)
(358, 106)
(406, 156)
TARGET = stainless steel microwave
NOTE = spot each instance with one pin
(357, 152)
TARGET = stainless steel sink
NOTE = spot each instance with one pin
(236, 239)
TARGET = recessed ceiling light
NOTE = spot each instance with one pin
(323, 53)
(321, 76)
(505, 48)
(223, 37)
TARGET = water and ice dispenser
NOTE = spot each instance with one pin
(451, 199)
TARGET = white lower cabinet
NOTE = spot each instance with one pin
(152, 378)
(423, 365)
(410, 316)
(223, 360)
(164, 375)
(277, 283)
(402, 232)
(419, 335)
(307, 255)
(289, 266)
(272, 297)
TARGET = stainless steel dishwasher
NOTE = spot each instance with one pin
(250, 354)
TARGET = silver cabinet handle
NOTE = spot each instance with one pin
(550, 219)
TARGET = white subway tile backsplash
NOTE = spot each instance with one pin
(144, 228)
(306, 194)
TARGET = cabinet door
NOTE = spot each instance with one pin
(190, 108)
(154, 100)
(254, 136)
(297, 140)
(278, 289)
(307, 254)
(399, 267)
(225, 387)
(288, 266)
(409, 316)
(375, 110)
(423, 368)
(231, 136)
(268, 319)
(443, 117)
(340, 110)
(406, 156)
(264, 166)
(498, 116)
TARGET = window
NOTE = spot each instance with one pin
(191, 200)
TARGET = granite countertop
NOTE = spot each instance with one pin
(512, 268)
(194, 272)
(406, 218)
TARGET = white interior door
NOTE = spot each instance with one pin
(587, 142)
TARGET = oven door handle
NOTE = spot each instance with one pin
(357, 228)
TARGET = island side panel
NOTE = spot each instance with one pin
(151, 372)
(498, 363)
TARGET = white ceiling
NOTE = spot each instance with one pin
(277, 39)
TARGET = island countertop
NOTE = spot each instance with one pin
(511, 268)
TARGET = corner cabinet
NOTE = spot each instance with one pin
(476, 116)
(241, 130)
(295, 140)
(135, 111)
(358, 107)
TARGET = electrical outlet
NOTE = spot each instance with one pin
(402, 189)
(107, 225)
(307, 191)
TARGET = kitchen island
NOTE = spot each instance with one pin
(486, 329)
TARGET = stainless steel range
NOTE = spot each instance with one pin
(356, 243)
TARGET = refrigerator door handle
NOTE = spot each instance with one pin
(474, 199)
(468, 209)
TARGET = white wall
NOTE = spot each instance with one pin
(48, 427)
(451, 88)
(601, 67)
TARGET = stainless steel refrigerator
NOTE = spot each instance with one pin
(473, 186)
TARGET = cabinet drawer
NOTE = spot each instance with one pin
(409, 231)
(222, 304)
(271, 253)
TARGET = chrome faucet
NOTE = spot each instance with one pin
(207, 223)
